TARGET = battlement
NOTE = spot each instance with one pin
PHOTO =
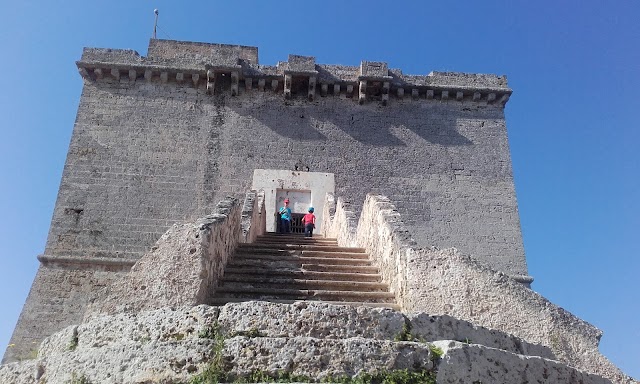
(233, 67)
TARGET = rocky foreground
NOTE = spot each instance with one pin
(300, 342)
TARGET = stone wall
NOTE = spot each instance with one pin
(150, 151)
(58, 298)
(447, 282)
(184, 266)
(159, 140)
(253, 220)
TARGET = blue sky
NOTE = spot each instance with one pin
(572, 120)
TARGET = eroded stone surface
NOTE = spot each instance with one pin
(472, 363)
(312, 320)
(445, 327)
(317, 358)
(183, 267)
(312, 339)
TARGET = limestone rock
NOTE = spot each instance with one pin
(315, 340)
(318, 320)
(473, 363)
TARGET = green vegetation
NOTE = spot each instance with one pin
(73, 344)
(400, 376)
(215, 371)
(253, 332)
(218, 372)
(75, 379)
(405, 334)
(436, 352)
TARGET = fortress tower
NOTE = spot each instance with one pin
(161, 139)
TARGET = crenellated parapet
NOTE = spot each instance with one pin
(230, 68)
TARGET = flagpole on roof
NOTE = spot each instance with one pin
(155, 24)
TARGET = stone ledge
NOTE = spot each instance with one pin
(174, 344)
(60, 261)
(473, 363)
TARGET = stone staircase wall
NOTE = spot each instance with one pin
(253, 220)
(186, 263)
(447, 282)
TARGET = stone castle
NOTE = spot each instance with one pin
(179, 160)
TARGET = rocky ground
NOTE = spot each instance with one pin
(300, 342)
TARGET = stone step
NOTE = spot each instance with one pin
(295, 259)
(296, 236)
(267, 282)
(296, 239)
(302, 247)
(218, 301)
(317, 275)
(292, 265)
(285, 252)
(304, 294)
(280, 238)
(276, 243)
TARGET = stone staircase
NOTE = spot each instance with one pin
(289, 268)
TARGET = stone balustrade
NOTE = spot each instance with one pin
(445, 282)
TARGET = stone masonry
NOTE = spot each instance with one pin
(159, 140)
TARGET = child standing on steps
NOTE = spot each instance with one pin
(309, 221)
(285, 217)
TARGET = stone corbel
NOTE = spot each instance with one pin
(98, 73)
(504, 99)
(324, 88)
(84, 73)
(274, 85)
(179, 77)
(336, 89)
(287, 86)
(362, 92)
(148, 74)
(400, 93)
(115, 72)
(133, 75)
(414, 94)
(350, 90)
(444, 95)
(164, 77)
(235, 79)
(477, 96)
(261, 84)
(385, 92)
(459, 95)
(491, 97)
(211, 82)
(430, 94)
(195, 77)
(312, 88)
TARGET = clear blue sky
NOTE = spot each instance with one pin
(573, 120)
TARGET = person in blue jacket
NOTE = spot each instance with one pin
(285, 217)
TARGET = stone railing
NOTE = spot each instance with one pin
(445, 282)
(339, 221)
(253, 220)
(186, 263)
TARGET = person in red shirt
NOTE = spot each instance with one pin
(309, 221)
